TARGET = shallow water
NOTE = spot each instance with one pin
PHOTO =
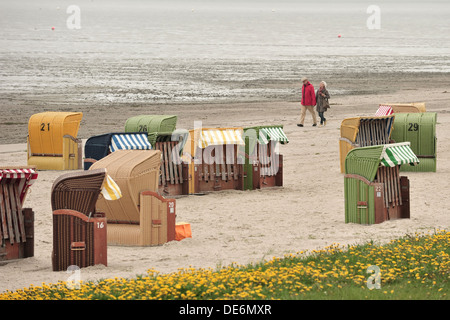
(177, 51)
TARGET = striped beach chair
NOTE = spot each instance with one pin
(17, 223)
(98, 147)
(374, 191)
(363, 132)
(163, 135)
(263, 162)
(213, 160)
(174, 174)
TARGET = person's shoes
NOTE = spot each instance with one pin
(315, 124)
(299, 125)
(321, 125)
(325, 123)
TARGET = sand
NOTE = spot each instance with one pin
(243, 227)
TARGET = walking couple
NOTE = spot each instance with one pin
(311, 99)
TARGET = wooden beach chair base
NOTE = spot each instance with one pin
(155, 227)
(78, 240)
(376, 202)
(16, 222)
(79, 231)
(218, 170)
(266, 177)
(10, 250)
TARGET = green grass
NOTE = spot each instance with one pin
(414, 267)
(402, 290)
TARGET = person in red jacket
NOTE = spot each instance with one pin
(308, 102)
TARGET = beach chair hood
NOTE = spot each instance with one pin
(134, 171)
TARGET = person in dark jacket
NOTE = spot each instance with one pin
(322, 97)
(308, 102)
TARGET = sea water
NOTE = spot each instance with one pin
(173, 51)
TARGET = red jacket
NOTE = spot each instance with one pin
(308, 95)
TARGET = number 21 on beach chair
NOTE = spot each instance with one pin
(52, 141)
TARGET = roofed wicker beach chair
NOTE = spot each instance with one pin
(98, 147)
(79, 232)
(263, 163)
(373, 188)
(16, 222)
(52, 141)
(140, 217)
(163, 135)
(214, 163)
(414, 107)
(362, 132)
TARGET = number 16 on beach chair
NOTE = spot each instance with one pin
(17, 223)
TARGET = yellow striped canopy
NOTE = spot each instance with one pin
(221, 136)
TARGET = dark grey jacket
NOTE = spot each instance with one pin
(320, 100)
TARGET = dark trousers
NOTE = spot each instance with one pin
(322, 118)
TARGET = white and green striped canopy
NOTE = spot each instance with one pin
(396, 154)
(272, 133)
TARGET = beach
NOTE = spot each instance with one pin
(244, 227)
(226, 64)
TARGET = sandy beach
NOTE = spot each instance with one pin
(307, 213)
